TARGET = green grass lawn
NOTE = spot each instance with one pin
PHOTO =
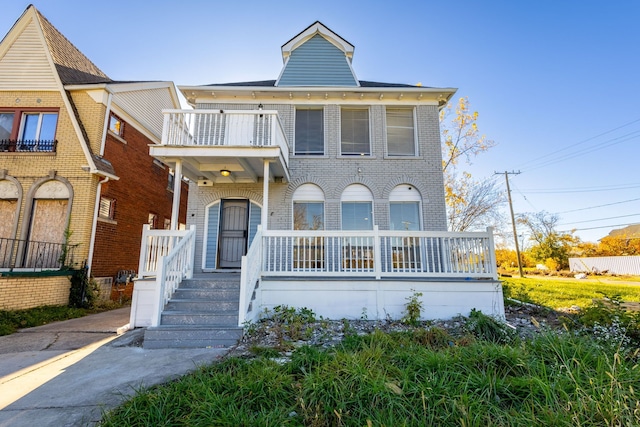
(404, 379)
(558, 293)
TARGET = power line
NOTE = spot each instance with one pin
(596, 228)
(599, 206)
(600, 219)
(580, 189)
(610, 142)
(553, 153)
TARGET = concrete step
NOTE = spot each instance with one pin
(199, 318)
(210, 284)
(212, 306)
(191, 337)
(207, 294)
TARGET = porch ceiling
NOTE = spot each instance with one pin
(246, 164)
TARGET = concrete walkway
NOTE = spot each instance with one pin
(68, 373)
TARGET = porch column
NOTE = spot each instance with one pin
(177, 186)
(265, 196)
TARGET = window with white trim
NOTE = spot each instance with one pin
(357, 208)
(308, 208)
(354, 132)
(309, 137)
(28, 130)
(404, 208)
(116, 125)
(400, 132)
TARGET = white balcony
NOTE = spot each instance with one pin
(210, 141)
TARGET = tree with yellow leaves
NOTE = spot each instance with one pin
(470, 204)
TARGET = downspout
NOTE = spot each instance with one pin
(94, 224)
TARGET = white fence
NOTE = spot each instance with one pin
(379, 253)
(156, 244)
(624, 265)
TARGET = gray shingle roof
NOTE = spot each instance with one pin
(271, 83)
(73, 67)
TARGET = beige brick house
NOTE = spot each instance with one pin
(73, 162)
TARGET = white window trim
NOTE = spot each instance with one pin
(354, 107)
(416, 150)
(324, 130)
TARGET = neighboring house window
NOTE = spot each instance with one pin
(107, 208)
(308, 208)
(167, 223)
(354, 131)
(170, 180)
(309, 139)
(153, 221)
(26, 130)
(404, 208)
(400, 132)
(116, 125)
(357, 208)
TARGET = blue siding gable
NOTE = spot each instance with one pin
(317, 62)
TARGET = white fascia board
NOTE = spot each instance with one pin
(314, 29)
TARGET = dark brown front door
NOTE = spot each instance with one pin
(233, 233)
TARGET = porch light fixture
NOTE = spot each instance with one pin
(225, 172)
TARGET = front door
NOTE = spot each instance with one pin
(233, 232)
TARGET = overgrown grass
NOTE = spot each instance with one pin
(11, 321)
(565, 293)
(404, 379)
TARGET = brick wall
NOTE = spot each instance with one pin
(67, 162)
(142, 189)
(18, 293)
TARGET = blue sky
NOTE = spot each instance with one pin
(555, 82)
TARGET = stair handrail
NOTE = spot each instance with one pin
(172, 269)
(250, 272)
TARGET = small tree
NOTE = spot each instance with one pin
(551, 247)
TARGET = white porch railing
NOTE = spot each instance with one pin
(218, 128)
(379, 253)
(172, 268)
(249, 276)
(156, 244)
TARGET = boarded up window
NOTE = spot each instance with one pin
(48, 222)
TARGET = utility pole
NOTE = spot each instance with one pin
(513, 220)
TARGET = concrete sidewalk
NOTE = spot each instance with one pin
(68, 373)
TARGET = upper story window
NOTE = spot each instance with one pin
(28, 130)
(354, 132)
(116, 125)
(309, 139)
(400, 132)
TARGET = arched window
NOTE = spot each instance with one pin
(404, 207)
(308, 208)
(10, 198)
(357, 208)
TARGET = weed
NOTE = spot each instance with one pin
(413, 309)
(489, 329)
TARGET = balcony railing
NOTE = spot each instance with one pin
(28, 146)
(224, 128)
(32, 255)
